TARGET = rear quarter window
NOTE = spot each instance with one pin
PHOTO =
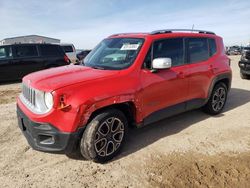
(67, 49)
(50, 50)
(212, 47)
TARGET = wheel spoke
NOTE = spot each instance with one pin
(215, 106)
(214, 103)
(110, 121)
(118, 136)
(110, 148)
(217, 93)
(100, 145)
(215, 98)
(117, 146)
(117, 125)
(104, 129)
(221, 103)
(223, 96)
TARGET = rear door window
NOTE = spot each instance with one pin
(26, 51)
(5, 52)
(50, 50)
(67, 49)
(197, 50)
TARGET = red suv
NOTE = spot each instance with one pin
(128, 79)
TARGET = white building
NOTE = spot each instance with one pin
(29, 39)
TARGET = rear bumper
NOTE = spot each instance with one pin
(245, 71)
(45, 137)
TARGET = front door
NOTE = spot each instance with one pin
(164, 92)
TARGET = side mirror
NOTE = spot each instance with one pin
(162, 63)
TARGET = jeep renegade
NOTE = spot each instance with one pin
(127, 79)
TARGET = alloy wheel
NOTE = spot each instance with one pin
(219, 99)
(109, 136)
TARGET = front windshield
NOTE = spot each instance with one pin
(114, 53)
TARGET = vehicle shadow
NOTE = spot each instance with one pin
(142, 137)
(10, 82)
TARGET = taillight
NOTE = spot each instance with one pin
(66, 59)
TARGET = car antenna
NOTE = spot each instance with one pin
(192, 28)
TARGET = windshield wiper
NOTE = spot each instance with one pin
(98, 67)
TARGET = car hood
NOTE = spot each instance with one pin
(55, 78)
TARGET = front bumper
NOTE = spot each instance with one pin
(45, 137)
(244, 67)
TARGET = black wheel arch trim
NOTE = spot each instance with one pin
(217, 79)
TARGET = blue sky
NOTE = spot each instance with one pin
(85, 22)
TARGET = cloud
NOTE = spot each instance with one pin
(85, 23)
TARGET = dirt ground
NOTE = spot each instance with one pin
(189, 150)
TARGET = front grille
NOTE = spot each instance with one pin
(29, 94)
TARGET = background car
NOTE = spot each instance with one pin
(233, 50)
(82, 54)
(244, 63)
(18, 60)
(70, 51)
(244, 49)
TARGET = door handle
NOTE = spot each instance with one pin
(212, 68)
(181, 75)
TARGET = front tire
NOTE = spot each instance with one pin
(104, 136)
(217, 99)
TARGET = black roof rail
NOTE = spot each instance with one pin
(179, 30)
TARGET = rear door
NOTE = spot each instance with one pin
(26, 59)
(6, 67)
(200, 70)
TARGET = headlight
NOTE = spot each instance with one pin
(48, 99)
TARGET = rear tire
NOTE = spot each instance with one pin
(104, 136)
(217, 99)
